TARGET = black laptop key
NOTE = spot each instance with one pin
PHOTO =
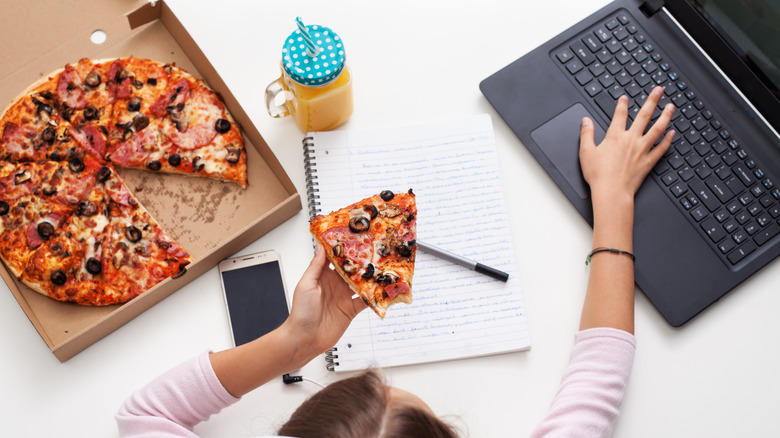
(752, 228)
(633, 68)
(726, 246)
(692, 136)
(564, 56)
(574, 67)
(604, 56)
(766, 234)
(720, 189)
(623, 57)
(603, 35)
(744, 175)
(705, 195)
(620, 34)
(592, 43)
(582, 53)
(713, 230)
(740, 253)
(606, 103)
(698, 214)
(607, 80)
(583, 77)
(593, 88)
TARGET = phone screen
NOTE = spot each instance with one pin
(256, 300)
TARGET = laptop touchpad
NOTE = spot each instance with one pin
(559, 139)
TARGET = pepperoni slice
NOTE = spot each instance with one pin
(90, 138)
(16, 140)
(70, 89)
(396, 289)
(174, 96)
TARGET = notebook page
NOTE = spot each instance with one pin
(452, 167)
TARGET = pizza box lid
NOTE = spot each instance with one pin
(210, 219)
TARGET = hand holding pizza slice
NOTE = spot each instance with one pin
(372, 246)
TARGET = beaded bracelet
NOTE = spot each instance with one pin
(612, 250)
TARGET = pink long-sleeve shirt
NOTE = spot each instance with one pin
(586, 405)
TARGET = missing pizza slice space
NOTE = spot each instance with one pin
(372, 245)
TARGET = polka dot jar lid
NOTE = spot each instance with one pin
(313, 70)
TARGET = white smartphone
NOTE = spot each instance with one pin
(255, 296)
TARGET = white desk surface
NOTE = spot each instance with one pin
(715, 377)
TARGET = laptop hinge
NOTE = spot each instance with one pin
(650, 7)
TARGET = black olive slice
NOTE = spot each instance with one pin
(386, 195)
(133, 234)
(222, 126)
(369, 271)
(4, 208)
(43, 108)
(151, 81)
(338, 249)
(48, 190)
(58, 277)
(384, 280)
(55, 156)
(66, 113)
(76, 164)
(134, 104)
(154, 165)
(45, 230)
(91, 113)
(94, 266)
(233, 155)
(48, 134)
(371, 210)
(174, 160)
(140, 121)
(359, 224)
(93, 79)
(103, 174)
(403, 250)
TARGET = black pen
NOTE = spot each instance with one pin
(454, 258)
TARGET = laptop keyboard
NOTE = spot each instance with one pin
(707, 172)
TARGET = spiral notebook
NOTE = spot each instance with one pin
(452, 166)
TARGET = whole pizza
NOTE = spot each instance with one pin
(372, 245)
(69, 227)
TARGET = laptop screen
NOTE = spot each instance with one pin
(743, 38)
(752, 29)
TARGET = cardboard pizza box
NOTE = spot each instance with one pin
(210, 219)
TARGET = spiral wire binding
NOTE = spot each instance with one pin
(312, 199)
(312, 190)
(331, 358)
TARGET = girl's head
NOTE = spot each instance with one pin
(364, 406)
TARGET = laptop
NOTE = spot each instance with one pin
(708, 215)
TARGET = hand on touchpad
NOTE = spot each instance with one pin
(559, 139)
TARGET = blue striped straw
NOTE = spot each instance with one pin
(311, 48)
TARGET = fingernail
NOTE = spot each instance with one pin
(586, 121)
(657, 91)
(669, 107)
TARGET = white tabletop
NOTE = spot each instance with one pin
(414, 61)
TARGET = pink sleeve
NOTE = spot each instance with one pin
(172, 404)
(593, 385)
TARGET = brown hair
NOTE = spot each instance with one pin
(358, 407)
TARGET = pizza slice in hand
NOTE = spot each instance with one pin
(372, 245)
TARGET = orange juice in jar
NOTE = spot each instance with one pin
(315, 87)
